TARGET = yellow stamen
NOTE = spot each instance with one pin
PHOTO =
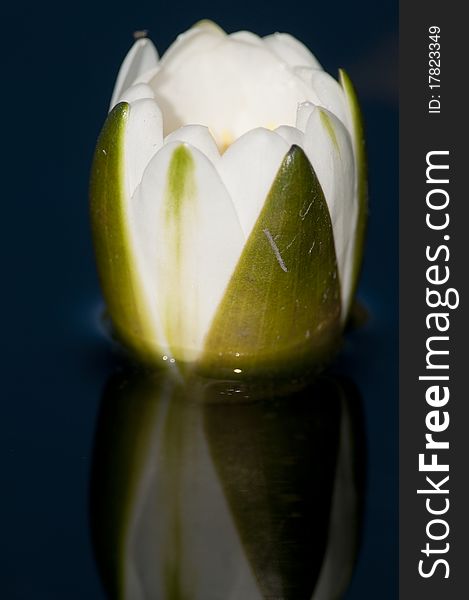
(226, 139)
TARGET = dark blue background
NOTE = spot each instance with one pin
(59, 66)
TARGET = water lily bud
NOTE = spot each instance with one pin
(228, 203)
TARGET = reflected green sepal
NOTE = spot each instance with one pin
(361, 174)
(120, 283)
(128, 418)
(281, 309)
(276, 462)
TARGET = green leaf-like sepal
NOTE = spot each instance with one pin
(281, 309)
(120, 283)
(361, 173)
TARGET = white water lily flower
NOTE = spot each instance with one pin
(228, 201)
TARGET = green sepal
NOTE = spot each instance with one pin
(281, 310)
(361, 173)
(120, 283)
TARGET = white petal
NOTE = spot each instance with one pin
(304, 111)
(329, 149)
(330, 94)
(141, 58)
(190, 242)
(248, 169)
(304, 73)
(291, 50)
(324, 91)
(291, 135)
(228, 85)
(354, 126)
(203, 37)
(140, 91)
(197, 136)
(143, 138)
(247, 37)
(147, 76)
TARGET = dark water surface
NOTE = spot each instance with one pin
(60, 383)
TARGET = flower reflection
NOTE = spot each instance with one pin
(243, 501)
